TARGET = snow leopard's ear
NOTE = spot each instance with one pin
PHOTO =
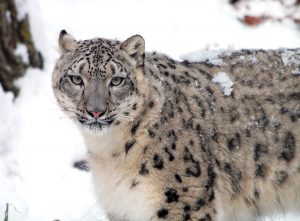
(66, 42)
(135, 48)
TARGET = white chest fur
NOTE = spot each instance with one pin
(115, 180)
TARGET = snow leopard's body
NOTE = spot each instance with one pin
(169, 145)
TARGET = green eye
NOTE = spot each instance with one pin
(77, 80)
(116, 81)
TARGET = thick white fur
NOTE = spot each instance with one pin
(113, 177)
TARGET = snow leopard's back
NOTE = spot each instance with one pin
(237, 147)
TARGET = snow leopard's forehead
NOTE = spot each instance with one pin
(95, 56)
(103, 46)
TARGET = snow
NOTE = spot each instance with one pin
(214, 56)
(38, 144)
(296, 72)
(21, 51)
(210, 56)
(250, 58)
(289, 58)
(8, 16)
(6, 108)
(22, 8)
(224, 81)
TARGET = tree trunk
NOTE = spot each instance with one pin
(12, 33)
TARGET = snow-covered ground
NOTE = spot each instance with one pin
(38, 145)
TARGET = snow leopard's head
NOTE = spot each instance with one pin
(95, 81)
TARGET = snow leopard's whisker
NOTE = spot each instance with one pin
(70, 111)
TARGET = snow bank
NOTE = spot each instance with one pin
(224, 81)
(9, 169)
(9, 120)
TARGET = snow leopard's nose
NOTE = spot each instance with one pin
(96, 114)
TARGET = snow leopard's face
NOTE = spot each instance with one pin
(94, 80)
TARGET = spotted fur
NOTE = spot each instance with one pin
(169, 144)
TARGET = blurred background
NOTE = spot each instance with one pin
(42, 176)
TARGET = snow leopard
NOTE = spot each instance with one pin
(165, 143)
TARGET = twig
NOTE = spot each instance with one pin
(6, 213)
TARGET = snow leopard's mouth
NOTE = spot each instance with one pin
(97, 124)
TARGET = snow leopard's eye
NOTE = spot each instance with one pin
(116, 81)
(77, 80)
